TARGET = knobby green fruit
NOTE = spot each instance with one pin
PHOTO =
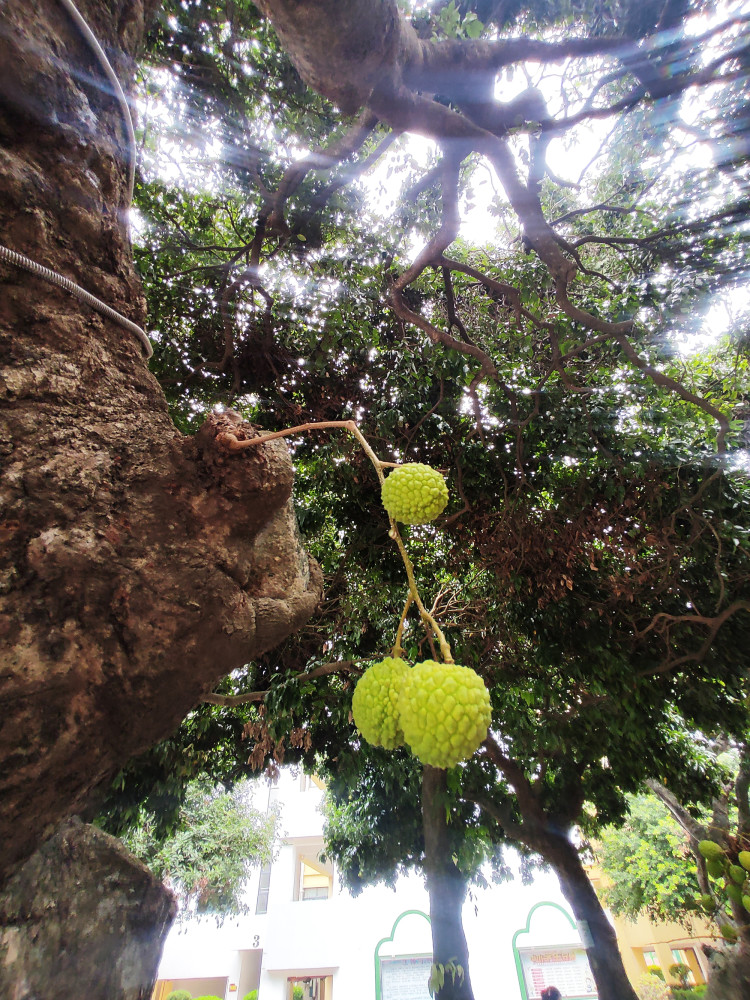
(375, 702)
(445, 712)
(414, 494)
(711, 850)
(707, 902)
(715, 867)
(734, 892)
(728, 932)
(744, 859)
(746, 903)
(737, 874)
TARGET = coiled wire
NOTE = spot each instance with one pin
(18, 259)
(105, 64)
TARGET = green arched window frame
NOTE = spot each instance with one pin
(526, 930)
(390, 937)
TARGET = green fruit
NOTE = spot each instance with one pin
(746, 903)
(707, 902)
(375, 702)
(711, 850)
(737, 874)
(715, 867)
(734, 892)
(414, 494)
(728, 932)
(744, 859)
(445, 712)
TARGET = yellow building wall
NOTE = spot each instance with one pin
(635, 937)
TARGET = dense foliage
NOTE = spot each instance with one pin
(208, 857)
(593, 563)
(648, 865)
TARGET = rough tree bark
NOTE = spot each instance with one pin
(447, 890)
(137, 566)
(82, 918)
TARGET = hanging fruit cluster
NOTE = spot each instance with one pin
(731, 877)
(441, 710)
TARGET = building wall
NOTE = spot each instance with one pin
(638, 938)
(341, 937)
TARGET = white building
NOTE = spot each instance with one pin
(305, 929)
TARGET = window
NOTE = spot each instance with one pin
(310, 988)
(649, 957)
(264, 882)
(313, 877)
(681, 955)
(315, 882)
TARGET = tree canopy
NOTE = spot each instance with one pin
(648, 865)
(510, 241)
(208, 857)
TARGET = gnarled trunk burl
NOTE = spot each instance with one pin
(137, 565)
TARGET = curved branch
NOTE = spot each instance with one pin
(439, 336)
(510, 294)
(602, 207)
(323, 158)
(587, 319)
(411, 112)
(232, 700)
(432, 254)
(715, 624)
(659, 378)
(449, 226)
(321, 199)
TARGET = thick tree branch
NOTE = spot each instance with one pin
(410, 112)
(437, 63)
(503, 815)
(696, 831)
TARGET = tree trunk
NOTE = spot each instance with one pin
(82, 918)
(447, 889)
(597, 932)
(137, 565)
(729, 978)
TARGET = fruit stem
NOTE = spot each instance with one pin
(398, 649)
(349, 425)
(234, 444)
(427, 620)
